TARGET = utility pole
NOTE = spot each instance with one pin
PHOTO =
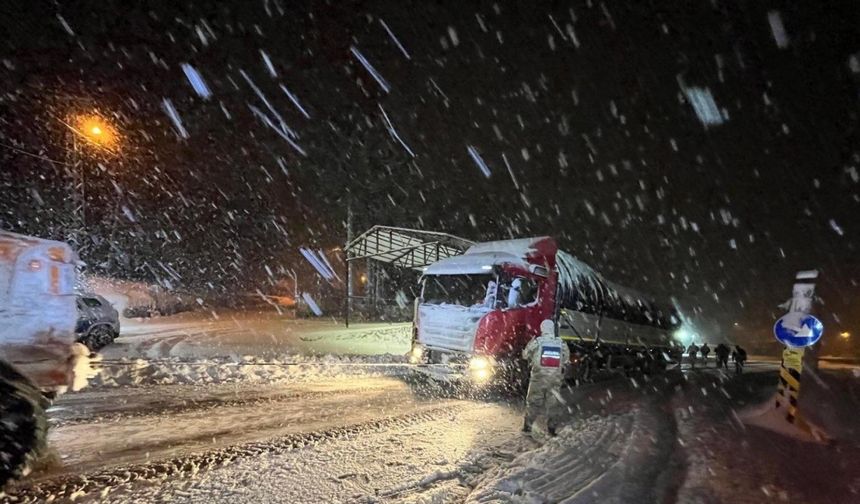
(78, 200)
(346, 254)
(89, 135)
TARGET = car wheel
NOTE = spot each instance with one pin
(23, 423)
(98, 338)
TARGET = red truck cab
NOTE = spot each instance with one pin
(477, 311)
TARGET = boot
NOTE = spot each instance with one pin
(527, 427)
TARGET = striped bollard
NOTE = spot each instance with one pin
(789, 382)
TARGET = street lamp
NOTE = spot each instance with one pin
(845, 335)
(94, 131)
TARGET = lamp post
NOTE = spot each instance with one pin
(93, 135)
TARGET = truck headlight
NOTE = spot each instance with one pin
(480, 363)
(481, 375)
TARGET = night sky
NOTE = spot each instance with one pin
(587, 103)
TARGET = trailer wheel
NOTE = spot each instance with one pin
(23, 423)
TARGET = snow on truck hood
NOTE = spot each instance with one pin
(472, 263)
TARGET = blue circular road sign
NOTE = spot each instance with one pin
(798, 330)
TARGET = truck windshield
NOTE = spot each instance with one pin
(462, 290)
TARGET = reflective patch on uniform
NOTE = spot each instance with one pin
(550, 356)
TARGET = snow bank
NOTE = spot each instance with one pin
(199, 335)
(173, 371)
(828, 401)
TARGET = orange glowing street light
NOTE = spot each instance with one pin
(95, 130)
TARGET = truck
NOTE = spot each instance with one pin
(477, 311)
(39, 357)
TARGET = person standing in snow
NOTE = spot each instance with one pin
(740, 357)
(692, 350)
(547, 355)
(706, 350)
(722, 353)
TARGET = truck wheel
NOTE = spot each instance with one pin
(98, 338)
(23, 423)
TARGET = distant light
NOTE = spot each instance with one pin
(682, 335)
(363, 278)
(96, 130)
(845, 334)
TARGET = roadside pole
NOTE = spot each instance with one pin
(799, 331)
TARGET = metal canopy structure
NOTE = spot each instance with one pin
(406, 248)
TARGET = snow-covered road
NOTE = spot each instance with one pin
(325, 441)
(264, 335)
(384, 438)
(324, 414)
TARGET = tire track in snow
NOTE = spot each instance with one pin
(100, 483)
(626, 453)
(165, 407)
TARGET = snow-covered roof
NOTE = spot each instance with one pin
(408, 248)
(472, 263)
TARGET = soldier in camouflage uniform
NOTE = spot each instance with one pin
(547, 355)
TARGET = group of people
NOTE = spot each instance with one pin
(722, 352)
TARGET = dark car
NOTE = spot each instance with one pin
(98, 321)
